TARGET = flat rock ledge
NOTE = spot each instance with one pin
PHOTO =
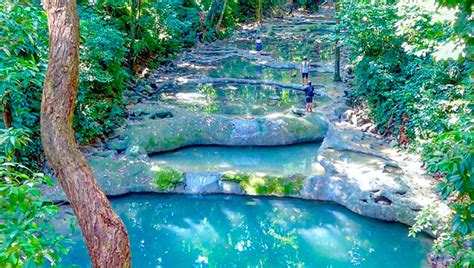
(368, 180)
(157, 129)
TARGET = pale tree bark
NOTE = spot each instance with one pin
(102, 229)
(221, 16)
(259, 12)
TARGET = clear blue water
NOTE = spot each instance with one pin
(237, 100)
(233, 100)
(237, 231)
(275, 160)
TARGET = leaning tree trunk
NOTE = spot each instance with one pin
(103, 230)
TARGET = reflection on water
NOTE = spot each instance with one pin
(236, 100)
(235, 231)
(280, 160)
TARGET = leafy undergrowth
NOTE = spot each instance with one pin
(265, 184)
(167, 178)
(413, 69)
(27, 239)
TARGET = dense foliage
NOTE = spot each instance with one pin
(23, 67)
(102, 77)
(412, 72)
(118, 40)
(23, 54)
(26, 236)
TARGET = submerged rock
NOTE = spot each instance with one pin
(202, 183)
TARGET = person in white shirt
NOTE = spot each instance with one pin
(304, 71)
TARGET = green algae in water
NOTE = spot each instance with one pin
(237, 231)
(167, 178)
(275, 160)
(257, 184)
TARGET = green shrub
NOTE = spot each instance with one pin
(167, 178)
(265, 184)
(102, 77)
(23, 54)
(26, 237)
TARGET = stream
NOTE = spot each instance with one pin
(172, 230)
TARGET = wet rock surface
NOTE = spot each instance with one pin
(186, 129)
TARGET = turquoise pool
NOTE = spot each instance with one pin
(239, 231)
(275, 160)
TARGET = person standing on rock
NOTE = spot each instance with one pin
(309, 93)
(304, 68)
(258, 45)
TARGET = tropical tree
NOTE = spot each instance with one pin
(103, 230)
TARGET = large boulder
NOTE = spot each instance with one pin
(116, 175)
(371, 179)
(185, 128)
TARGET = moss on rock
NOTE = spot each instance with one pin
(167, 178)
(255, 184)
(187, 128)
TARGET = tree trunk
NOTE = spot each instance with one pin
(212, 13)
(102, 229)
(337, 58)
(7, 115)
(221, 16)
(337, 64)
(135, 5)
(259, 12)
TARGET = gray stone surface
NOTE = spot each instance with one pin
(202, 183)
(364, 183)
(186, 128)
(372, 179)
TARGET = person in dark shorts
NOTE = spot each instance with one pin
(304, 70)
(258, 45)
(309, 94)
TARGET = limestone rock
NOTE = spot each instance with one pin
(186, 128)
(116, 144)
(202, 183)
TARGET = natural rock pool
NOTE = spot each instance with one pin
(241, 100)
(224, 94)
(238, 231)
(280, 160)
(236, 99)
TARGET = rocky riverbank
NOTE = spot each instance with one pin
(361, 170)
